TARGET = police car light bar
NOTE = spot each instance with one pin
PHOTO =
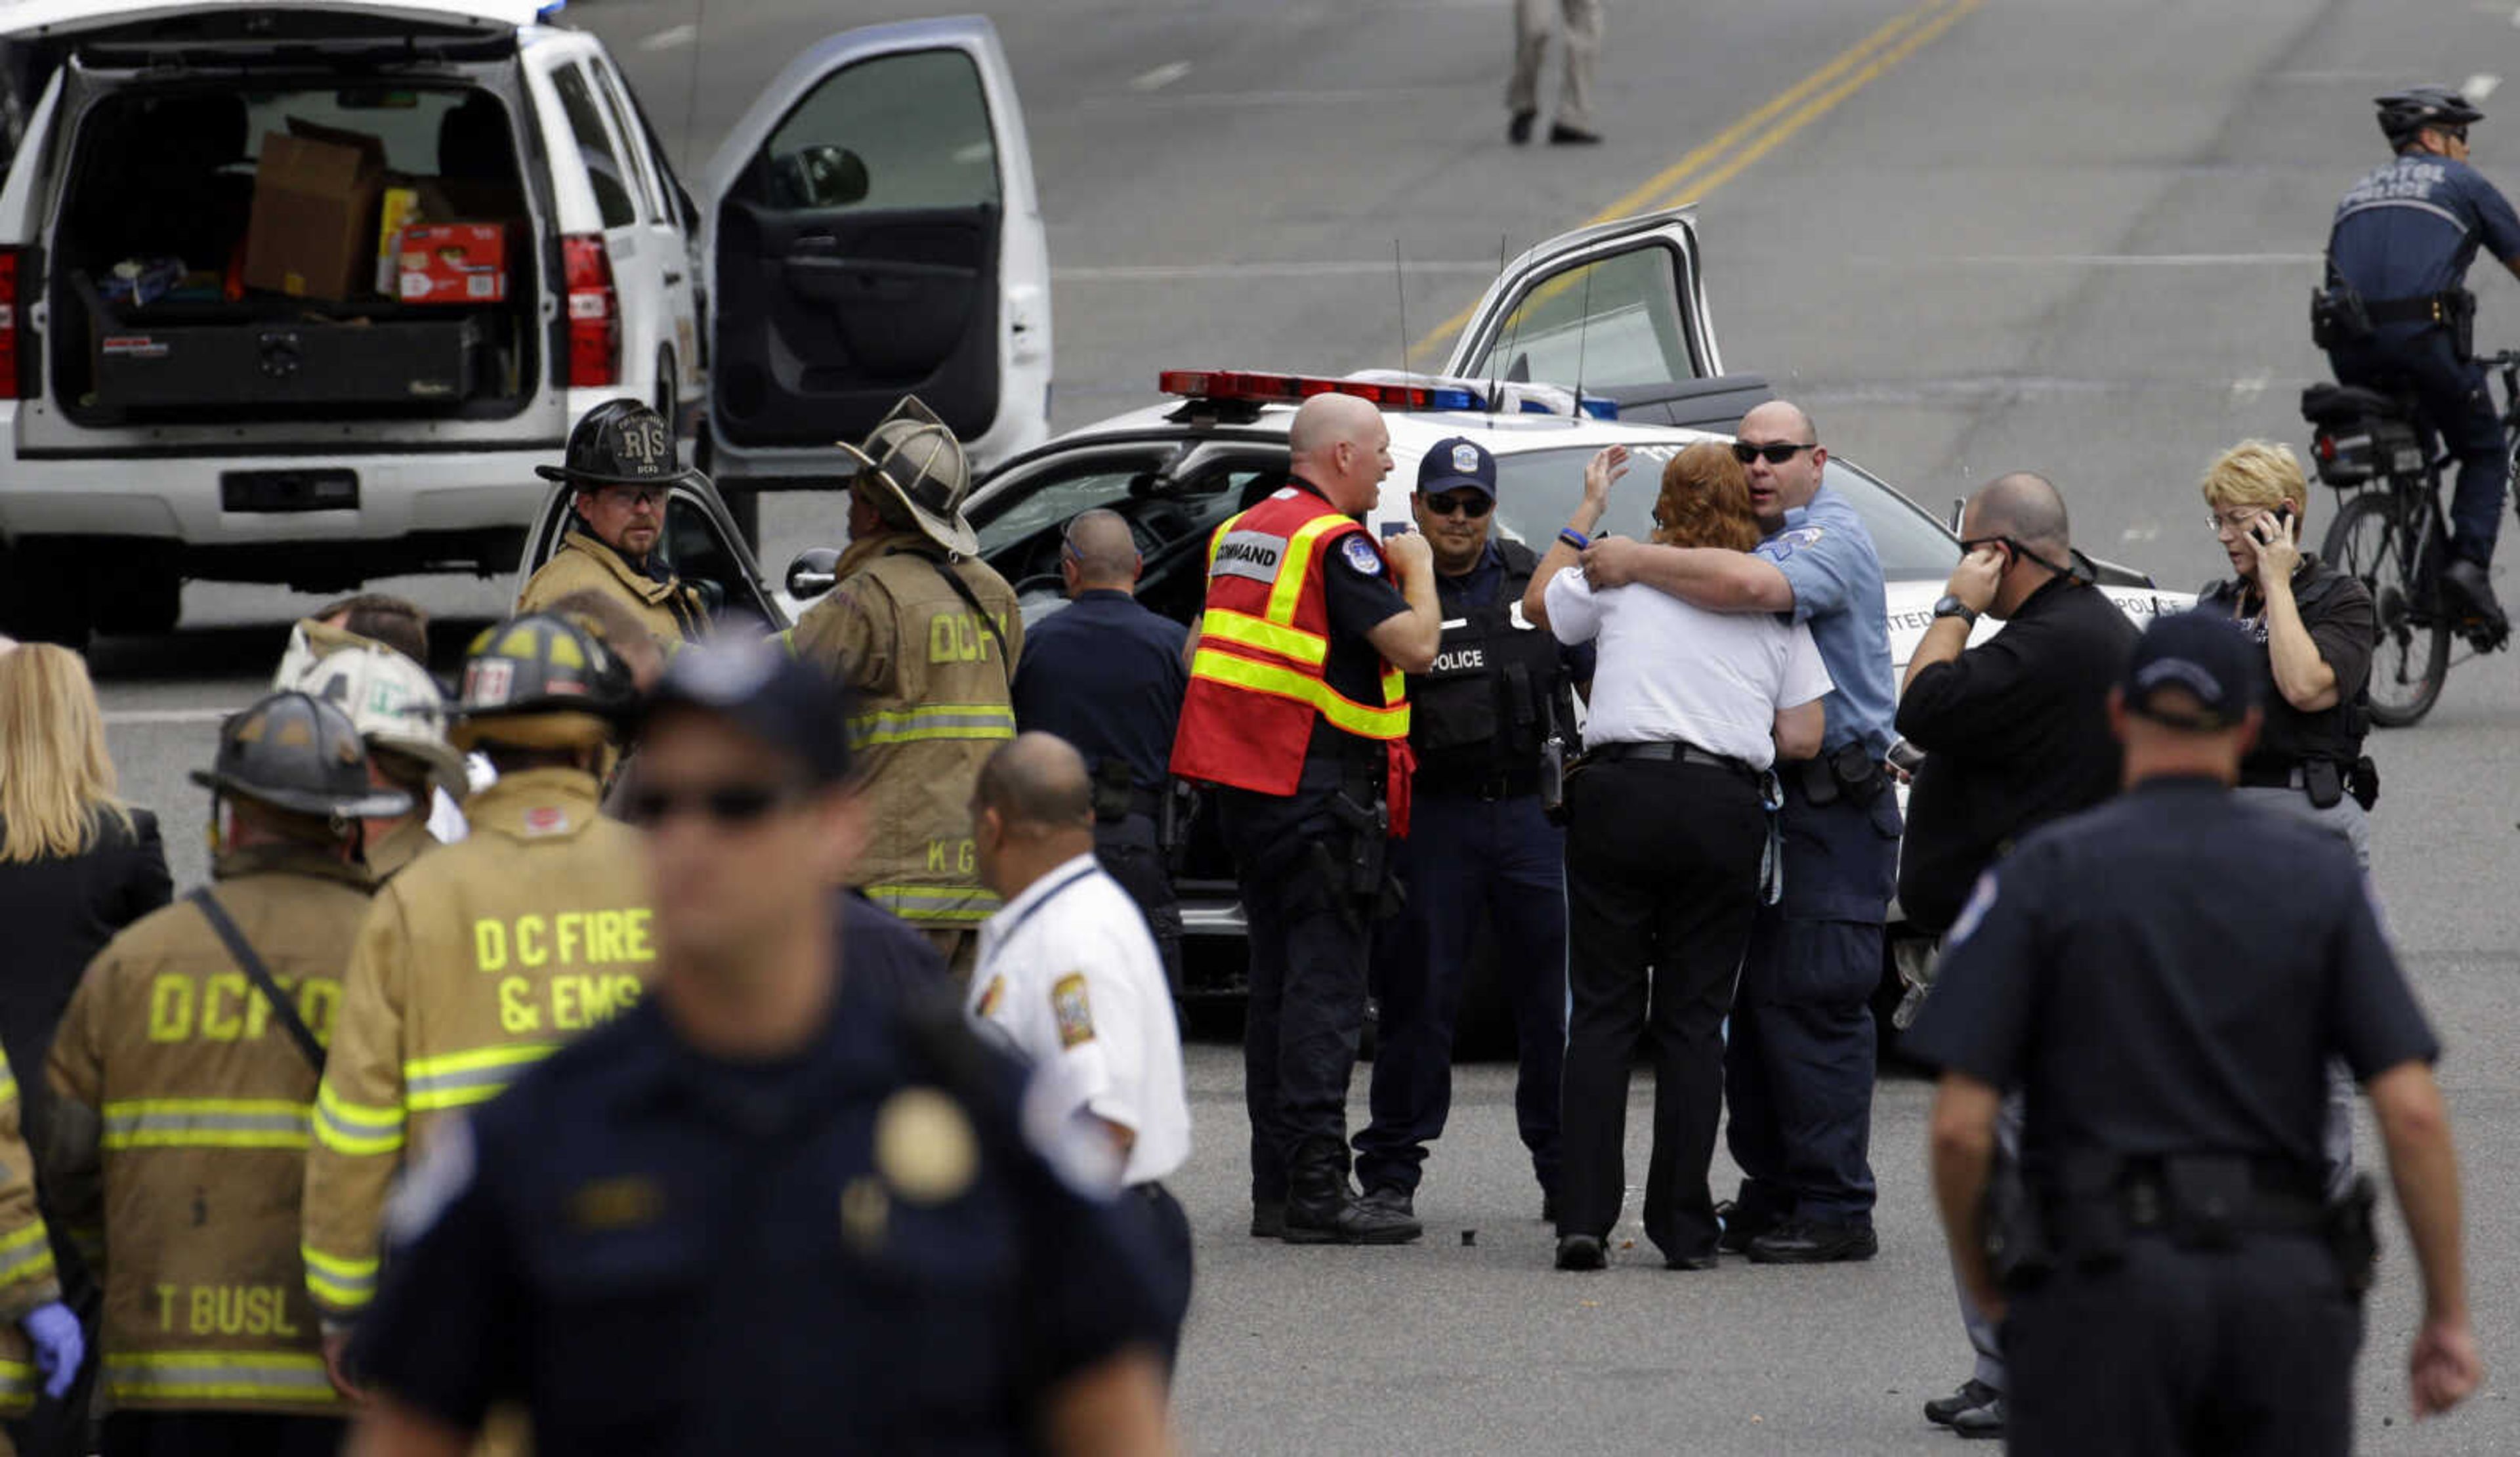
(1250, 388)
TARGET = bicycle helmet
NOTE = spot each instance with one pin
(300, 753)
(543, 680)
(2402, 114)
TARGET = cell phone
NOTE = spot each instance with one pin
(2283, 517)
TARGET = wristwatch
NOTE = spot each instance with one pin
(1953, 607)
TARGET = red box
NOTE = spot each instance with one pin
(454, 263)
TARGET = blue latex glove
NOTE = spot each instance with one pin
(58, 1345)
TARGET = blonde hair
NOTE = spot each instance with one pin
(56, 779)
(2255, 473)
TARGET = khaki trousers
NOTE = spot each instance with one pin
(1583, 23)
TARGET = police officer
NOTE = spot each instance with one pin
(482, 956)
(182, 1073)
(1798, 1061)
(401, 716)
(1106, 676)
(765, 1211)
(2170, 1038)
(927, 637)
(1072, 981)
(623, 463)
(1480, 850)
(2397, 312)
(1297, 710)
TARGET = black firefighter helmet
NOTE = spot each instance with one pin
(542, 680)
(619, 442)
(297, 753)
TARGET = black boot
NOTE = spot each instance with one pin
(1321, 1208)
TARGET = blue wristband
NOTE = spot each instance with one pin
(1575, 539)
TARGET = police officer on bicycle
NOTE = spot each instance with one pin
(2396, 313)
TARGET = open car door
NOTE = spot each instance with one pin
(1619, 309)
(870, 232)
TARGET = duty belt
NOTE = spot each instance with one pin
(2420, 308)
(1488, 788)
(1670, 751)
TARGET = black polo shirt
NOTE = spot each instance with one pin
(1106, 674)
(2169, 974)
(2337, 612)
(1361, 596)
(2016, 733)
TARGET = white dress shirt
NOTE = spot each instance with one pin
(1670, 670)
(1069, 973)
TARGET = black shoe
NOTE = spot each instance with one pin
(1399, 1201)
(1739, 1229)
(1562, 135)
(1518, 130)
(1972, 1394)
(1813, 1242)
(1690, 1263)
(1981, 1421)
(2469, 585)
(1269, 1219)
(1580, 1252)
(1321, 1210)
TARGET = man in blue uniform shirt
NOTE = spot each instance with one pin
(1798, 1065)
(2402, 244)
(774, 1206)
(1481, 851)
(1106, 674)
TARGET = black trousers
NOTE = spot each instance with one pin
(1167, 1230)
(2175, 1351)
(1662, 880)
(222, 1434)
(1129, 853)
(1309, 948)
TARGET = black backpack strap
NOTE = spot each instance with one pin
(246, 958)
(972, 599)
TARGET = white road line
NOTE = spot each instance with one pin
(1340, 268)
(672, 37)
(165, 718)
(2480, 86)
(1161, 76)
(2249, 387)
(2111, 261)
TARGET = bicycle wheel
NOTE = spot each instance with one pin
(2370, 541)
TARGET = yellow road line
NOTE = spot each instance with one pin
(1866, 60)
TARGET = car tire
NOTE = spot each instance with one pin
(143, 597)
(44, 595)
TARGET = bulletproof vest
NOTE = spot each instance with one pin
(1487, 705)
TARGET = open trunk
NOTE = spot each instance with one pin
(252, 248)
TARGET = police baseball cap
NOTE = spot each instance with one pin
(1454, 463)
(2206, 658)
(761, 688)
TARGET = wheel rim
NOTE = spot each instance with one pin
(2408, 656)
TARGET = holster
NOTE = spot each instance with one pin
(2336, 315)
(2354, 1234)
(1114, 790)
(2324, 780)
(1851, 773)
(2365, 783)
(1366, 889)
(1553, 780)
(2092, 1210)
(2458, 316)
(2017, 1247)
(1177, 813)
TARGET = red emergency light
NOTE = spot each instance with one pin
(1250, 388)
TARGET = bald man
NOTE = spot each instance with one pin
(2015, 733)
(1297, 712)
(1106, 676)
(1069, 978)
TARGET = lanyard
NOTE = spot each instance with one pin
(1046, 896)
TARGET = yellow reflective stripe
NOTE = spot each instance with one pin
(1342, 712)
(339, 1283)
(8, 1085)
(357, 1129)
(1288, 589)
(26, 1253)
(458, 1079)
(977, 721)
(1216, 538)
(219, 1375)
(17, 1387)
(205, 1123)
(945, 904)
(1227, 625)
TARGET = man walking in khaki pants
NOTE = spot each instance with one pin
(1574, 122)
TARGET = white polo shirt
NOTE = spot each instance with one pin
(1670, 670)
(1070, 973)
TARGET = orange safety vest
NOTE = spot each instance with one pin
(1256, 683)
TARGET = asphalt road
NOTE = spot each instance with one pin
(2074, 236)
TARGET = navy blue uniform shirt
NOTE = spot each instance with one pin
(2412, 227)
(1106, 674)
(658, 1251)
(2169, 974)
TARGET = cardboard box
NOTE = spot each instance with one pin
(314, 225)
(459, 262)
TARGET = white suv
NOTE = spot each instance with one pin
(868, 229)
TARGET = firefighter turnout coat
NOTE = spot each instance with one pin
(669, 610)
(932, 701)
(181, 1137)
(472, 965)
(27, 1275)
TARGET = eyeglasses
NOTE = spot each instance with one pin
(632, 495)
(1469, 504)
(729, 806)
(1777, 452)
(2237, 520)
(1969, 546)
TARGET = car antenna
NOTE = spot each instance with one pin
(1492, 356)
(1583, 333)
(1400, 286)
(692, 87)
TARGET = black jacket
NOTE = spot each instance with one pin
(2016, 733)
(59, 913)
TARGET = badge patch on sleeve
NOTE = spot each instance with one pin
(1067, 1002)
(1360, 555)
(992, 994)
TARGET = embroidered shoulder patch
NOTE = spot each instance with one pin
(1360, 555)
(1067, 1002)
(992, 994)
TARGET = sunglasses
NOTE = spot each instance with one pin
(1469, 504)
(1777, 452)
(632, 495)
(729, 806)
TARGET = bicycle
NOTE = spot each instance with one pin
(2389, 533)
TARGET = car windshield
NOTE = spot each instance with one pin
(1537, 491)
